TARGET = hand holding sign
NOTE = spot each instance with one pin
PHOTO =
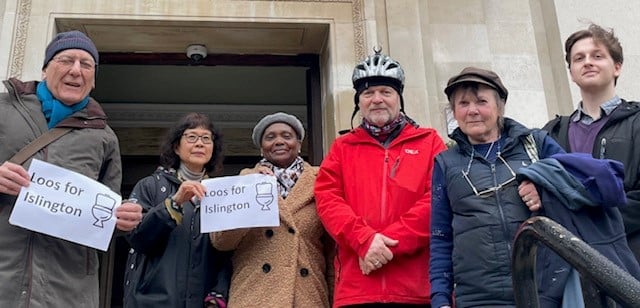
(67, 205)
(128, 214)
(12, 178)
(188, 190)
(239, 202)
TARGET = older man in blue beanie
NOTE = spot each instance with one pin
(37, 270)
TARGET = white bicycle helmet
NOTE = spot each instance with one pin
(378, 65)
(377, 69)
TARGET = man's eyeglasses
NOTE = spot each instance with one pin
(68, 62)
(193, 138)
(487, 192)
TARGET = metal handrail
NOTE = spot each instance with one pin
(611, 279)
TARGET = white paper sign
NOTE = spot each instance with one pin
(67, 205)
(240, 201)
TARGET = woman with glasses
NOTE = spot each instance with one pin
(171, 264)
(477, 204)
(284, 266)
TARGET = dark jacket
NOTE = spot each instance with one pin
(619, 139)
(583, 195)
(471, 236)
(171, 265)
(37, 270)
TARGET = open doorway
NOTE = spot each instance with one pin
(144, 94)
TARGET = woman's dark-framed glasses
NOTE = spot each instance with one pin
(193, 138)
(487, 192)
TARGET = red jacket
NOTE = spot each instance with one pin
(364, 188)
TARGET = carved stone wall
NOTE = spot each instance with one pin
(19, 43)
(520, 39)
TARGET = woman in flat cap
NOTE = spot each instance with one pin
(477, 204)
(284, 266)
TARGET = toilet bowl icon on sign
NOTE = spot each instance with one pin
(264, 195)
(102, 210)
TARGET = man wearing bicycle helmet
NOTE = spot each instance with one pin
(373, 195)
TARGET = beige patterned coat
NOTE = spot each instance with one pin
(282, 266)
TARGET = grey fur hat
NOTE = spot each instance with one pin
(278, 117)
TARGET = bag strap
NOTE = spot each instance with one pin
(39, 143)
(531, 148)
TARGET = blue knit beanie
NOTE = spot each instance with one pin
(70, 40)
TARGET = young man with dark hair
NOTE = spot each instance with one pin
(604, 124)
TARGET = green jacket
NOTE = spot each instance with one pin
(37, 270)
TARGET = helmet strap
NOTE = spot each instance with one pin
(353, 115)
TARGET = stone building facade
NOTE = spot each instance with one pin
(522, 40)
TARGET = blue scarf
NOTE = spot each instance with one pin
(54, 110)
